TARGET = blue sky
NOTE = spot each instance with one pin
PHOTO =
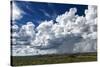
(40, 11)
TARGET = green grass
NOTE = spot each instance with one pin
(52, 59)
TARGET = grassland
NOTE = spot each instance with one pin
(52, 59)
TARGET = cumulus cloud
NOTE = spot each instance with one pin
(91, 13)
(24, 35)
(67, 16)
(71, 34)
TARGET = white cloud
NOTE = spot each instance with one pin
(27, 30)
(91, 13)
(15, 27)
(45, 13)
(13, 41)
(71, 33)
(67, 16)
(23, 35)
(16, 12)
(44, 33)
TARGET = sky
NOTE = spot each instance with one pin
(40, 11)
(39, 28)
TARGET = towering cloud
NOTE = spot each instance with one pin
(71, 34)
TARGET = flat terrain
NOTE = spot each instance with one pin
(53, 59)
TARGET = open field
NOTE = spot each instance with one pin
(53, 59)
